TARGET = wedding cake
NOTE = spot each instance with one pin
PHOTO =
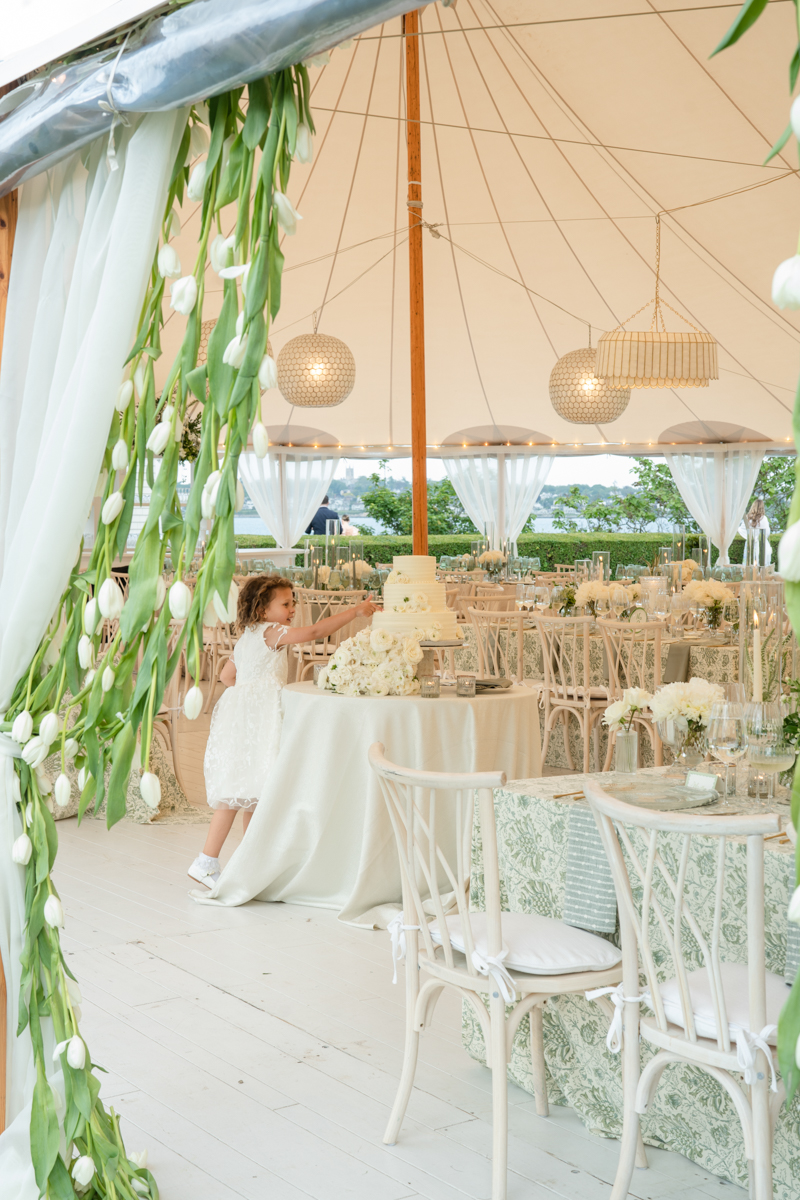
(413, 600)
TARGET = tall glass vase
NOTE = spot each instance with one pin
(626, 752)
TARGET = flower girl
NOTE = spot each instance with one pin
(246, 722)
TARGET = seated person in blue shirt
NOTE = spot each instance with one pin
(322, 515)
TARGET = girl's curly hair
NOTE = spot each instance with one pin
(255, 595)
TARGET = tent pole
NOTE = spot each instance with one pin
(419, 468)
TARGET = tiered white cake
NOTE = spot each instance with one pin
(412, 599)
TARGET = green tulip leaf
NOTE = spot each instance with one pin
(787, 133)
(747, 16)
(257, 115)
(196, 381)
(121, 759)
(44, 1128)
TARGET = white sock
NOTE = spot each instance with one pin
(205, 860)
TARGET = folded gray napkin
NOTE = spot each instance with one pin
(677, 666)
(590, 901)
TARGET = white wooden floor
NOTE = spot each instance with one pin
(255, 1051)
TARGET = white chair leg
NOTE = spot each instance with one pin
(631, 1136)
(762, 1134)
(411, 1048)
(537, 1062)
(497, 1014)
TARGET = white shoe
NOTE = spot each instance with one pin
(200, 871)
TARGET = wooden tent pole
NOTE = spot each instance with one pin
(419, 466)
(8, 226)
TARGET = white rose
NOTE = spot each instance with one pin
(381, 639)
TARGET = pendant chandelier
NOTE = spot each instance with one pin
(579, 396)
(316, 371)
(634, 359)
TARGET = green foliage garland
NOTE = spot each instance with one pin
(94, 707)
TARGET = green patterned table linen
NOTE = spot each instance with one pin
(690, 1114)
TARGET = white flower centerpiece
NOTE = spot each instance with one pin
(493, 561)
(590, 595)
(375, 662)
(619, 718)
(682, 712)
(711, 595)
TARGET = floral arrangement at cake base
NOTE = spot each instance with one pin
(711, 595)
(687, 708)
(375, 662)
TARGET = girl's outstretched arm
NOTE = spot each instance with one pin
(310, 633)
(227, 675)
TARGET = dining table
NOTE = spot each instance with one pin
(321, 834)
(552, 863)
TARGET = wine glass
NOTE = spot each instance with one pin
(618, 600)
(727, 738)
(521, 599)
(764, 729)
(672, 732)
(541, 597)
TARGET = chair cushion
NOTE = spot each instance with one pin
(737, 1000)
(537, 945)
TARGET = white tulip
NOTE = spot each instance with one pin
(157, 442)
(119, 456)
(183, 294)
(210, 614)
(124, 395)
(268, 372)
(193, 703)
(206, 507)
(112, 507)
(212, 486)
(43, 781)
(85, 652)
(235, 273)
(89, 677)
(169, 265)
(140, 378)
(138, 1158)
(49, 727)
(287, 214)
(786, 283)
(53, 912)
(22, 850)
(198, 141)
(260, 440)
(110, 599)
(226, 613)
(304, 148)
(318, 60)
(59, 1102)
(90, 617)
(22, 728)
(161, 593)
(150, 789)
(139, 1186)
(76, 1051)
(167, 413)
(71, 748)
(240, 323)
(63, 790)
(197, 181)
(235, 351)
(107, 682)
(788, 555)
(84, 775)
(223, 433)
(219, 251)
(16, 789)
(180, 600)
(239, 496)
(83, 1170)
(73, 991)
(35, 751)
(173, 224)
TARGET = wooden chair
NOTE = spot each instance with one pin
(493, 632)
(633, 654)
(567, 690)
(166, 721)
(493, 603)
(720, 1017)
(314, 606)
(494, 960)
(218, 645)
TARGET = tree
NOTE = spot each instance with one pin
(654, 481)
(394, 509)
(774, 485)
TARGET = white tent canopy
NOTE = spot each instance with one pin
(549, 139)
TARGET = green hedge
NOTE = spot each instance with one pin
(550, 548)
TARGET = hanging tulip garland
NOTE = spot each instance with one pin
(90, 699)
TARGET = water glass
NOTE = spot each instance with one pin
(766, 748)
(465, 685)
(727, 738)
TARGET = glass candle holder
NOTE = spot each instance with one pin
(429, 687)
(465, 685)
(317, 668)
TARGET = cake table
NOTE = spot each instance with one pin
(320, 834)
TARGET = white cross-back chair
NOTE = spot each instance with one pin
(219, 642)
(314, 606)
(492, 959)
(721, 1017)
(567, 690)
(633, 654)
(499, 654)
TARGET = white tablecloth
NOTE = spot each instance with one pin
(320, 834)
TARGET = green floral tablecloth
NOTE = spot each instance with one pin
(717, 663)
(690, 1112)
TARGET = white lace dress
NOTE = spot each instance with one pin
(246, 724)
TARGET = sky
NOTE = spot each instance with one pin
(609, 469)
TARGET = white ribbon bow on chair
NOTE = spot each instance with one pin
(493, 965)
(746, 1045)
(619, 1000)
(397, 932)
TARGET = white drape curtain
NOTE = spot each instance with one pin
(716, 485)
(286, 489)
(82, 255)
(499, 490)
